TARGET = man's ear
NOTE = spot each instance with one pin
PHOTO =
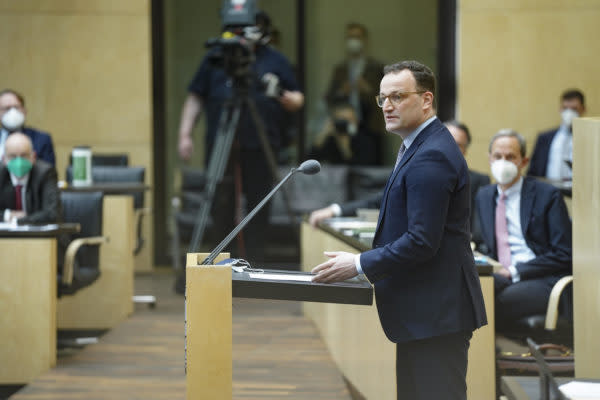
(524, 162)
(33, 157)
(428, 99)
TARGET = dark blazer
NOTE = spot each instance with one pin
(478, 181)
(539, 158)
(545, 224)
(41, 197)
(42, 145)
(421, 263)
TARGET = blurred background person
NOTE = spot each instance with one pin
(553, 152)
(12, 118)
(462, 136)
(343, 140)
(356, 79)
(28, 187)
(527, 228)
(208, 91)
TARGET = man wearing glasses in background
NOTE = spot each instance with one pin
(427, 289)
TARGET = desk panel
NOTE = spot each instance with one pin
(27, 307)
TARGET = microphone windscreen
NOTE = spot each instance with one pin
(309, 167)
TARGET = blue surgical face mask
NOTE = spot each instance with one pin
(19, 166)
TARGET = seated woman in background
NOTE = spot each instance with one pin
(343, 141)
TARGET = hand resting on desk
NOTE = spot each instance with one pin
(338, 268)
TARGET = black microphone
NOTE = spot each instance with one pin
(308, 167)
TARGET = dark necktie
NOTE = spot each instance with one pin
(18, 197)
(400, 154)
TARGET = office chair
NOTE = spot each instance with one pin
(80, 265)
(108, 174)
(554, 329)
(123, 174)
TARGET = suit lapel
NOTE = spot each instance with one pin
(527, 198)
(421, 137)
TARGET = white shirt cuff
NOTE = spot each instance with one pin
(6, 215)
(357, 264)
(516, 277)
(337, 210)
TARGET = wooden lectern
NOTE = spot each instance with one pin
(208, 328)
(209, 292)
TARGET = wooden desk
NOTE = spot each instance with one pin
(28, 300)
(357, 343)
(528, 387)
(108, 300)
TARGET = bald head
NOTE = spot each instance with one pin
(18, 145)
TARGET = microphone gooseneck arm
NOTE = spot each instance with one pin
(211, 257)
(308, 167)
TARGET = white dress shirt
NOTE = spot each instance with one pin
(519, 251)
(561, 149)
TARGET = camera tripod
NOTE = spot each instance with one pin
(228, 123)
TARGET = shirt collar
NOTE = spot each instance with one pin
(411, 138)
(19, 181)
(514, 189)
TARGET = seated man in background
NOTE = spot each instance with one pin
(462, 137)
(344, 141)
(526, 227)
(554, 148)
(12, 119)
(28, 188)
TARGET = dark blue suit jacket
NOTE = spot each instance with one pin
(545, 224)
(42, 145)
(541, 151)
(421, 263)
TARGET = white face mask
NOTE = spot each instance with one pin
(13, 120)
(354, 46)
(567, 116)
(504, 171)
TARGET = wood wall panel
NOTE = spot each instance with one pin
(515, 59)
(84, 67)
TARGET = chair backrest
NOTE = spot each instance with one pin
(365, 182)
(100, 159)
(310, 192)
(84, 208)
(547, 382)
(107, 174)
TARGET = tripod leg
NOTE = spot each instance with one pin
(262, 135)
(216, 168)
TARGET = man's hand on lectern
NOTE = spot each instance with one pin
(338, 268)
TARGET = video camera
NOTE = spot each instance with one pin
(234, 50)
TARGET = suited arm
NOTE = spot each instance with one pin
(429, 185)
(49, 213)
(557, 257)
(47, 152)
(536, 164)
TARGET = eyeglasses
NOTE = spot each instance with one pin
(395, 98)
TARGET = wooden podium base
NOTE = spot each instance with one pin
(208, 329)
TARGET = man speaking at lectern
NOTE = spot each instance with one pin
(427, 289)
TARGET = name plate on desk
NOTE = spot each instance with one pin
(293, 285)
